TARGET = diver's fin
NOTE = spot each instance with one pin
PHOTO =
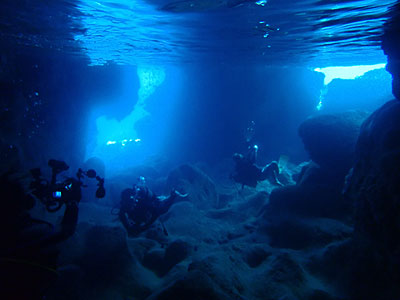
(282, 163)
(180, 195)
(276, 180)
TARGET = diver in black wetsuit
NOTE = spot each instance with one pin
(140, 207)
(28, 254)
(246, 170)
(248, 173)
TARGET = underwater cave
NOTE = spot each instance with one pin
(200, 149)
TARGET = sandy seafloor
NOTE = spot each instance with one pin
(223, 242)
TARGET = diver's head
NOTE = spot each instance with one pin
(141, 181)
(251, 156)
(237, 157)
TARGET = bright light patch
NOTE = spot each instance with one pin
(114, 136)
(332, 73)
(352, 72)
(150, 78)
(123, 143)
(261, 2)
(319, 106)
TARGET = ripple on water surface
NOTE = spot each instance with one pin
(159, 31)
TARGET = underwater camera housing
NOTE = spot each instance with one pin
(57, 166)
(100, 192)
(53, 195)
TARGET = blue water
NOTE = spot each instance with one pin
(306, 32)
(167, 90)
(88, 74)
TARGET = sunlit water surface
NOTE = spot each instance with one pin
(300, 32)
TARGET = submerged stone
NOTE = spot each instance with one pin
(330, 139)
(201, 189)
(375, 188)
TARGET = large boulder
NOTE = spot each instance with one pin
(375, 181)
(375, 188)
(330, 139)
(189, 179)
(317, 194)
(368, 265)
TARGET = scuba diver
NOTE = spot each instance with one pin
(53, 194)
(140, 207)
(246, 170)
(248, 173)
(28, 254)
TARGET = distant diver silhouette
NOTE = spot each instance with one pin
(246, 170)
(248, 173)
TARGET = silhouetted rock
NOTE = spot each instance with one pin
(201, 189)
(375, 180)
(330, 139)
(375, 188)
(367, 266)
(391, 47)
